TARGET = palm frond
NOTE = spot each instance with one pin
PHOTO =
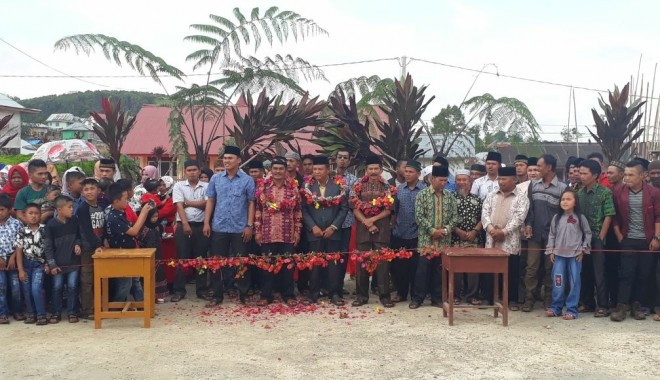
(503, 114)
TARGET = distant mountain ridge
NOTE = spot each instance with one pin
(81, 103)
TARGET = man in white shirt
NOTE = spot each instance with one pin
(488, 183)
(190, 199)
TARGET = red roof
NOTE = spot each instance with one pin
(151, 130)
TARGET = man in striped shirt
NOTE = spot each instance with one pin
(544, 204)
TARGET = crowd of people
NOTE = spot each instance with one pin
(586, 245)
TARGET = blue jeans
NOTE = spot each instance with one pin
(123, 286)
(33, 288)
(9, 282)
(71, 279)
(565, 268)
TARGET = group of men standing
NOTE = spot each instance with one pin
(493, 206)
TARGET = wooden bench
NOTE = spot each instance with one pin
(475, 260)
(115, 263)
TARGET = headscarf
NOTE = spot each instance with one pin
(9, 189)
(209, 173)
(169, 182)
(65, 185)
(151, 171)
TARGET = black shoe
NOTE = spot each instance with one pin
(619, 314)
(636, 311)
(337, 301)
(214, 302)
(177, 297)
(414, 305)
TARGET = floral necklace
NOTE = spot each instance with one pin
(376, 205)
(265, 197)
(317, 200)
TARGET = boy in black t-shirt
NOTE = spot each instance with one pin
(91, 218)
(62, 249)
(121, 234)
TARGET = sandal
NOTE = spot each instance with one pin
(42, 321)
(213, 303)
(358, 303)
(550, 314)
(262, 302)
(527, 307)
(457, 301)
(54, 319)
(4, 321)
(19, 316)
(387, 303)
(474, 301)
(656, 317)
(600, 313)
(569, 317)
(73, 319)
(291, 303)
(514, 307)
(30, 320)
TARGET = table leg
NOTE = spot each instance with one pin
(105, 294)
(505, 300)
(443, 278)
(450, 297)
(97, 299)
(153, 299)
(496, 293)
(148, 294)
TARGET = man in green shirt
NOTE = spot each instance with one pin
(35, 192)
(597, 205)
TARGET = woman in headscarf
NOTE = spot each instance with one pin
(148, 172)
(18, 179)
(206, 175)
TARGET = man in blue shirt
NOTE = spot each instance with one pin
(404, 234)
(231, 203)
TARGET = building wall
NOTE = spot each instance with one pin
(68, 135)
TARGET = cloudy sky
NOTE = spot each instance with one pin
(589, 44)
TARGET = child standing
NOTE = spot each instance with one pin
(568, 241)
(121, 234)
(32, 265)
(9, 227)
(151, 237)
(62, 248)
(91, 218)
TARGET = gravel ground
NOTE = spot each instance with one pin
(188, 341)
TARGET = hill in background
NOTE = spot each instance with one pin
(81, 103)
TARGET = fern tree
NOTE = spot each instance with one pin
(222, 44)
(509, 115)
(399, 137)
(619, 128)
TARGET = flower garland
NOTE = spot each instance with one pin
(319, 201)
(265, 196)
(303, 261)
(376, 205)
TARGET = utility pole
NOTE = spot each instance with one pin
(403, 62)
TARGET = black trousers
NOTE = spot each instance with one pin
(345, 242)
(252, 248)
(428, 279)
(333, 270)
(635, 271)
(228, 245)
(593, 277)
(403, 270)
(382, 274)
(304, 275)
(612, 262)
(283, 280)
(196, 245)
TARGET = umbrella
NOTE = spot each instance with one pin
(65, 151)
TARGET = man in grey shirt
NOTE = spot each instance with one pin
(544, 196)
(190, 199)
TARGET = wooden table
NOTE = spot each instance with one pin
(475, 260)
(114, 263)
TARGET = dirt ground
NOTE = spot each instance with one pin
(233, 342)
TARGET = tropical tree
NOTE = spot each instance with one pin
(502, 114)
(399, 138)
(112, 127)
(222, 44)
(618, 128)
(6, 138)
(448, 127)
(268, 122)
(373, 90)
(570, 134)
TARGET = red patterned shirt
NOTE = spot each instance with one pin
(278, 217)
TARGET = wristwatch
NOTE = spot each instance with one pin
(656, 238)
(250, 225)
